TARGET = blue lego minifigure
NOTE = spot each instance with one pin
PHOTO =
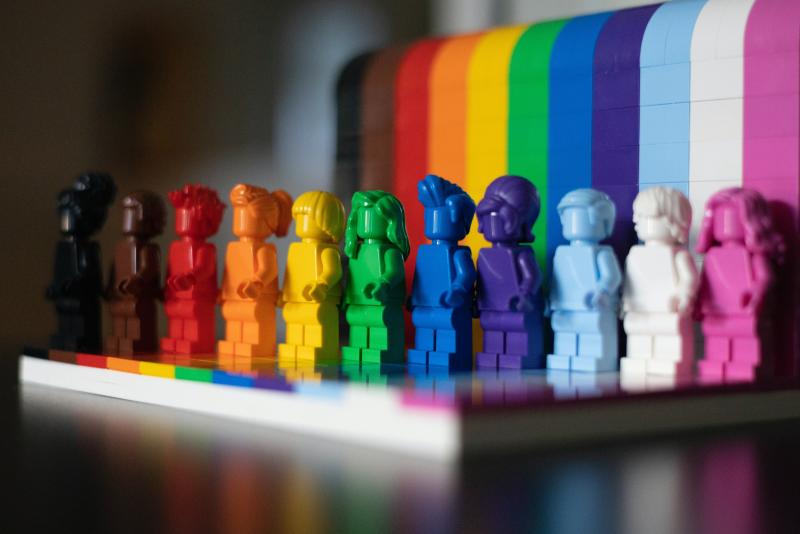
(584, 297)
(441, 298)
(509, 299)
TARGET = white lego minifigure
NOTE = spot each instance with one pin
(660, 284)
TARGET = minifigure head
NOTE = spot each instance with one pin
(319, 215)
(375, 215)
(83, 208)
(257, 213)
(508, 210)
(448, 209)
(739, 215)
(143, 215)
(586, 215)
(198, 211)
(662, 214)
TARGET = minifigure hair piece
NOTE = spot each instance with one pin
(387, 207)
(325, 208)
(89, 199)
(150, 208)
(203, 202)
(274, 208)
(516, 200)
(760, 236)
(436, 192)
(598, 204)
(668, 203)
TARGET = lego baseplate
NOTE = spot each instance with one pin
(430, 412)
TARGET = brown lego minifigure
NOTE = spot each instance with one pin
(135, 281)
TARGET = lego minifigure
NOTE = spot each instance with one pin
(135, 281)
(376, 244)
(509, 299)
(77, 274)
(444, 279)
(312, 284)
(191, 289)
(584, 296)
(250, 282)
(739, 243)
(660, 284)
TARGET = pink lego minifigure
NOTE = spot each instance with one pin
(741, 249)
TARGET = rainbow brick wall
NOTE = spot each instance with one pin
(693, 94)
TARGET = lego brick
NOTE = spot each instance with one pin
(91, 360)
(126, 365)
(162, 370)
(667, 38)
(663, 163)
(716, 120)
(665, 84)
(231, 379)
(668, 123)
(715, 160)
(717, 79)
(63, 356)
(194, 374)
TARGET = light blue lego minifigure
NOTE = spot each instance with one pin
(444, 278)
(584, 296)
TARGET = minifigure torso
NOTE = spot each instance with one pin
(499, 277)
(242, 265)
(129, 259)
(368, 267)
(727, 278)
(575, 275)
(186, 256)
(651, 278)
(307, 257)
(75, 259)
(431, 283)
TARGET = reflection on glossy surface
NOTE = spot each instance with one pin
(110, 464)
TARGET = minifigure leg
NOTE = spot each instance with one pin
(424, 339)
(746, 350)
(640, 346)
(717, 348)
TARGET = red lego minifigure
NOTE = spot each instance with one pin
(191, 289)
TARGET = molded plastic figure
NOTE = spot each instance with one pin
(376, 244)
(739, 242)
(660, 284)
(584, 297)
(191, 292)
(77, 272)
(444, 278)
(312, 284)
(250, 282)
(135, 281)
(509, 280)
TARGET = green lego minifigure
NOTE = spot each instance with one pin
(376, 244)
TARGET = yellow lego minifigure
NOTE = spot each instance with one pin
(311, 287)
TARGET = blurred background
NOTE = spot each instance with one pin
(160, 93)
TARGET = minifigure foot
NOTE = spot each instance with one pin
(449, 360)
(226, 347)
(417, 357)
(559, 362)
(593, 365)
(486, 360)
(351, 354)
(518, 361)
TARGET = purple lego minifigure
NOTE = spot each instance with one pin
(509, 301)
(740, 247)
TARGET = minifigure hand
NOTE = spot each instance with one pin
(453, 297)
(250, 289)
(316, 291)
(548, 310)
(682, 303)
(183, 282)
(279, 301)
(376, 291)
(522, 303)
(597, 299)
(131, 286)
(697, 313)
(753, 302)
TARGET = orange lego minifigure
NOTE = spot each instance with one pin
(250, 282)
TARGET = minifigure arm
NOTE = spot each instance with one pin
(626, 291)
(317, 290)
(762, 278)
(393, 272)
(266, 272)
(610, 277)
(206, 265)
(464, 281)
(531, 276)
(688, 280)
